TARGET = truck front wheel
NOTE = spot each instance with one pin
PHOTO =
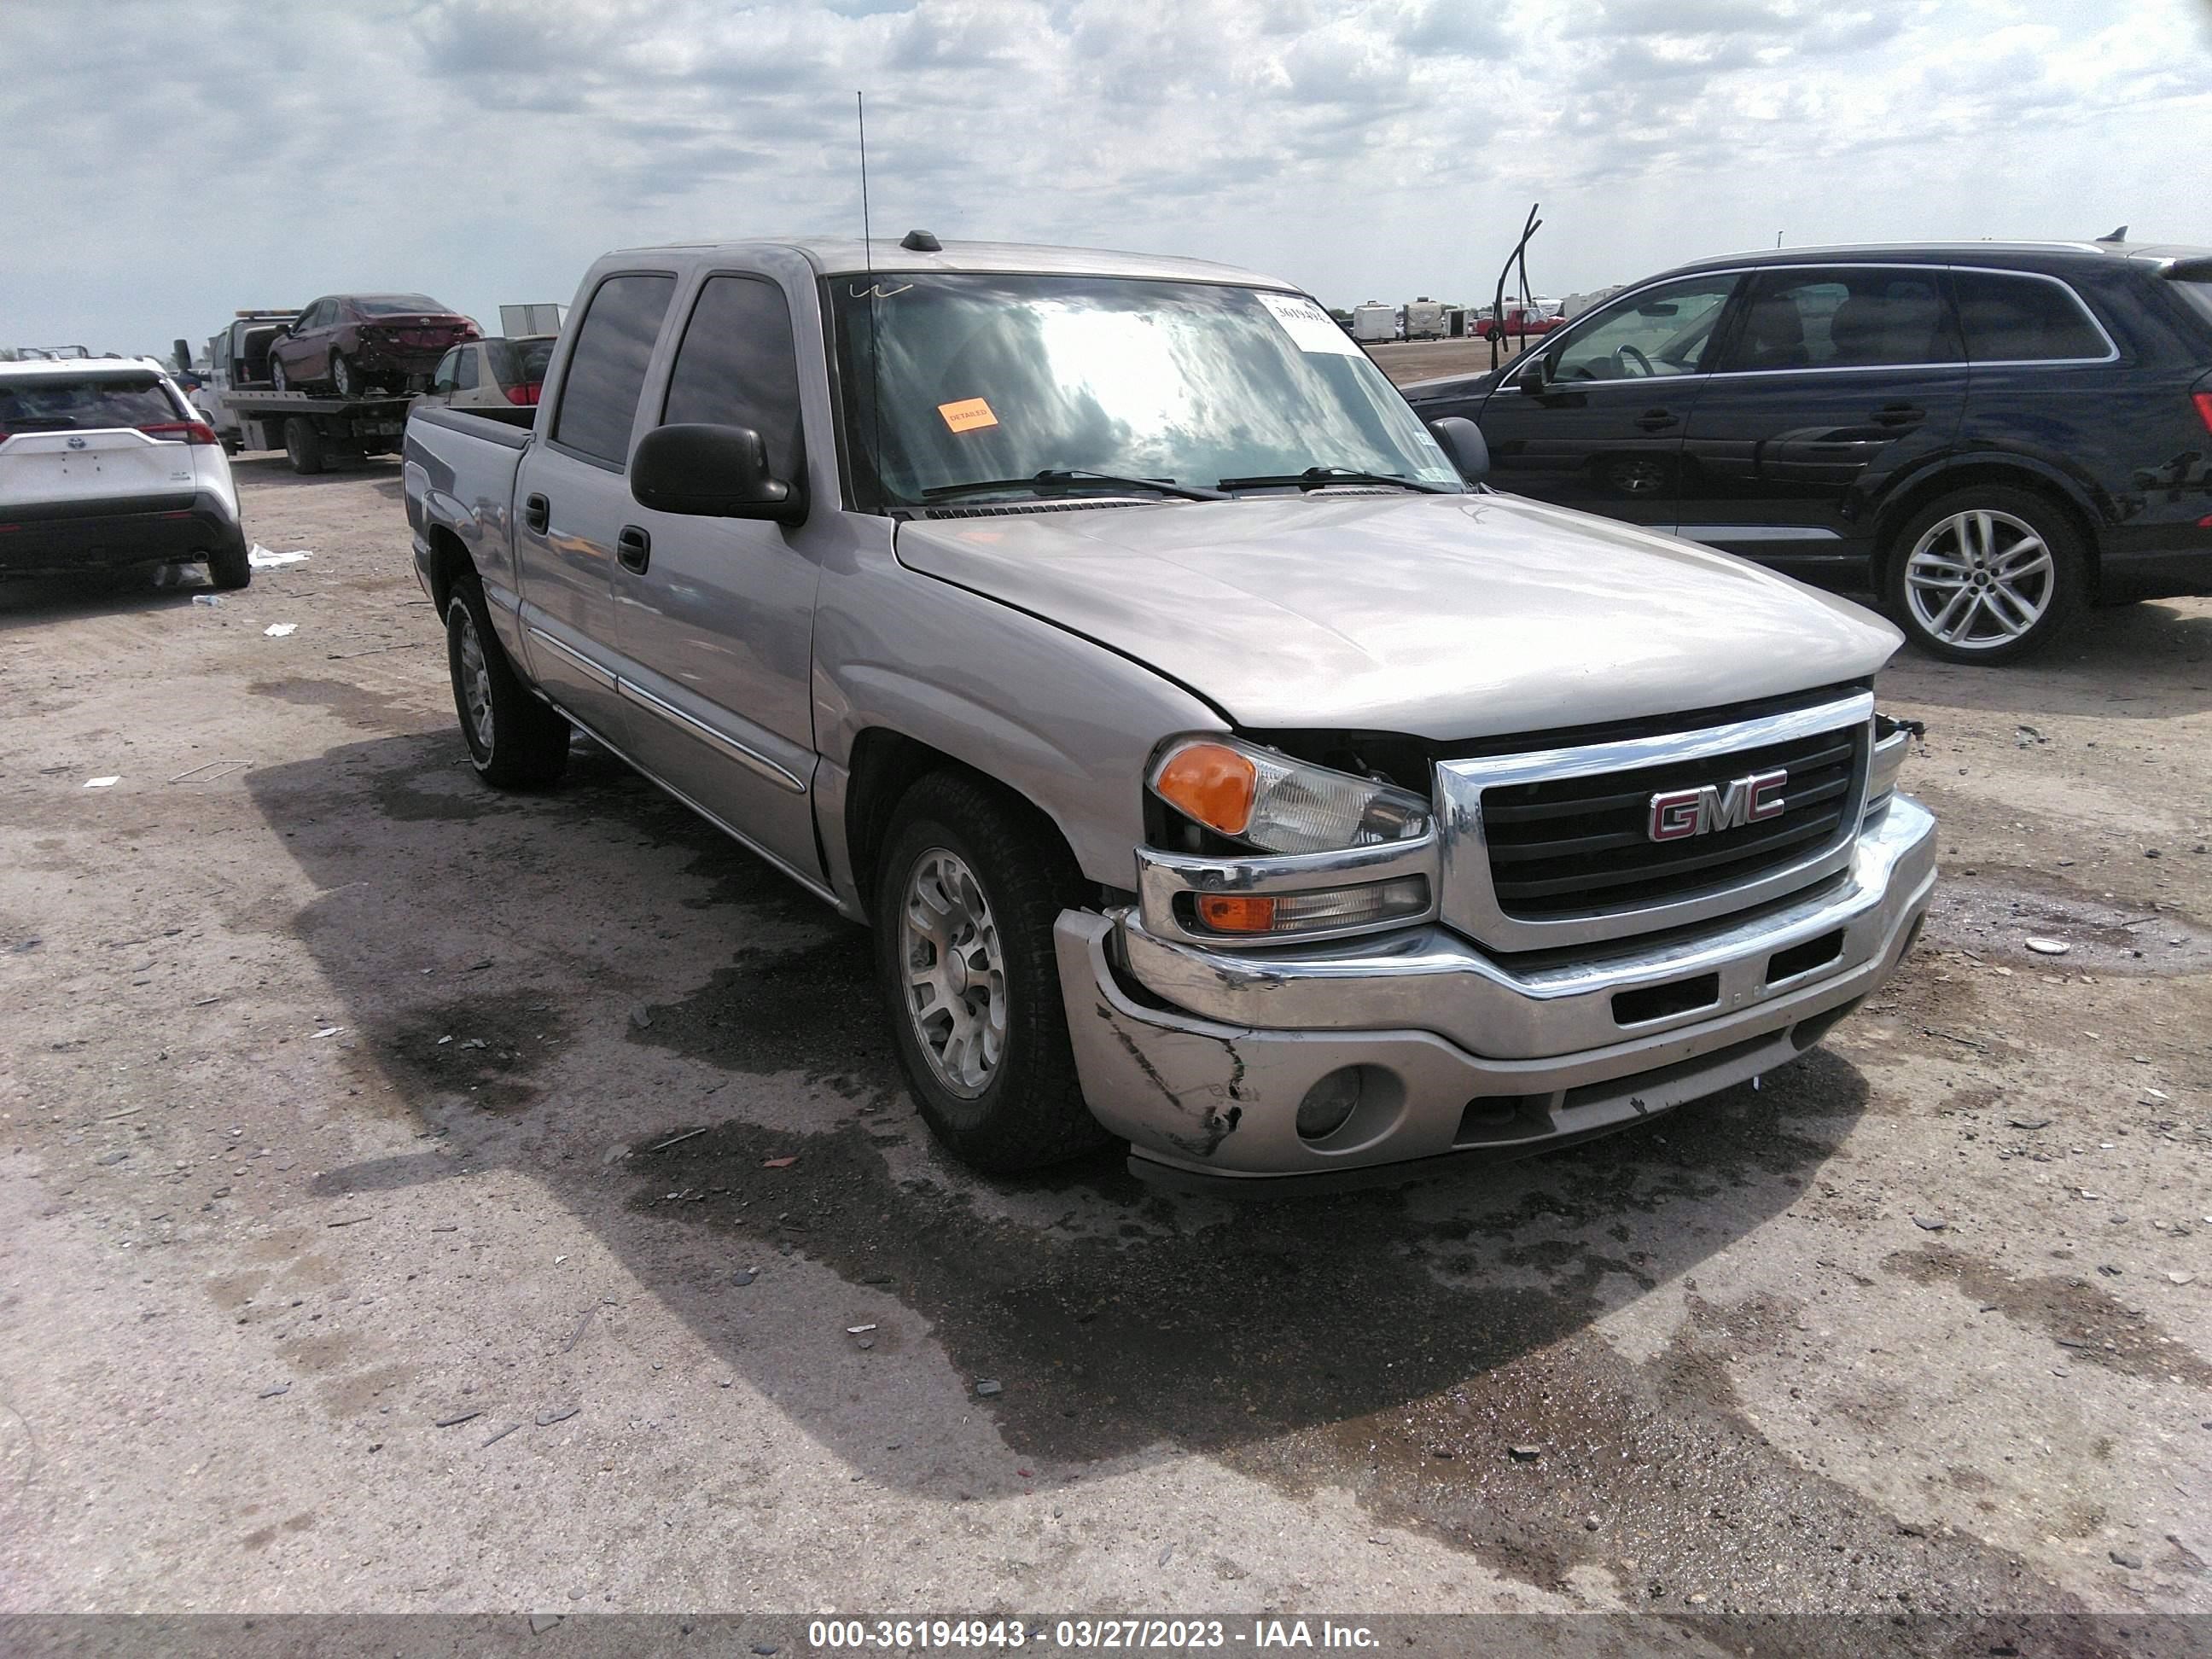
(515, 741)
(967, 892)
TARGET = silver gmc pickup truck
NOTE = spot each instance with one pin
(1221, 766)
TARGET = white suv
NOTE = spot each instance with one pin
(104, 466)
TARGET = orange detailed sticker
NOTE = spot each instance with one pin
(968, 415)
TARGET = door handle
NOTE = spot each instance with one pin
(634, 548)
(1656, 420)
(537, 513)
(1899, 415)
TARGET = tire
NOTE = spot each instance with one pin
(1986, 575)
(343, 380)
(303, 445)
(515, 741)
(230, 568)
(277, 380)
(999, 881)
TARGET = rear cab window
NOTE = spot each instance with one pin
(606, 371)
(93, 404)
(2012, 318)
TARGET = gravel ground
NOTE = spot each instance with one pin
(416, 1199)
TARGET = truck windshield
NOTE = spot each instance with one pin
(957, 380)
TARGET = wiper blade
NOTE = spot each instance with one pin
(1319, 478)
(1063, 477)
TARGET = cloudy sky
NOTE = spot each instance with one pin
(167, 161)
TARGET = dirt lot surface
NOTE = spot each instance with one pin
(413, 1198)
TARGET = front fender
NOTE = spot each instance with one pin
(1066, 723)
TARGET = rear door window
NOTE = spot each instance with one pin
(606, 371)
(464, 372)
(1852, 317)
(48, 405)
(2014, 318)
(737, 367)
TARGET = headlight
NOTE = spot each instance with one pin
(1281, 805)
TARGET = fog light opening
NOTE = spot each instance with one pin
(1329, 1102)
(1351, 1106)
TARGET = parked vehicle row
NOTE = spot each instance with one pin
(1988, 435)
(1232, 774)
(333, 382)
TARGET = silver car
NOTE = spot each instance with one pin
(1223, 767)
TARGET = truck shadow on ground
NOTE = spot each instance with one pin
(1395, 1343)
(1115, 1318)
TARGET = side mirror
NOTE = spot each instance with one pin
(710, 472)
(1461, 440)
(1537, 376)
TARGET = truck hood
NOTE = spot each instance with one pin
(1446, 616)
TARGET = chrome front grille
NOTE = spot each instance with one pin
(1554, 848)
(1561, 845)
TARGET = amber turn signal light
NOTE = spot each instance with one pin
(1211, 783)
(1237, 913)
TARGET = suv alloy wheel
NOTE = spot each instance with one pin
(1986, 575)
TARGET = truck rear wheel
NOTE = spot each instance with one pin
(515, 741)
(303, 445)
(967, 892)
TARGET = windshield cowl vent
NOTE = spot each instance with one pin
(1004, 509)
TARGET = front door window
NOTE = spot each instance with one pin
(1661, 332)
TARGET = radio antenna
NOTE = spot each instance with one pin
(868, 262)
(867, 251)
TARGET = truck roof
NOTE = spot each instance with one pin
(845, 255)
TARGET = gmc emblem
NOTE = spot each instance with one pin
(1679, 814)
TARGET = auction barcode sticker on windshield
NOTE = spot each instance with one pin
(1310, 328)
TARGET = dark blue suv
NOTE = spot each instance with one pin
(1988, 435)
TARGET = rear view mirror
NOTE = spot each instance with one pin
(711, 473)
(1461, 440)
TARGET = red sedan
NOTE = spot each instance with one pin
(355, 344)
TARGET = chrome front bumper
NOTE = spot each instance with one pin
(1199, 1056)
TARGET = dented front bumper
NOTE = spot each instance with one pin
(1200, 1057)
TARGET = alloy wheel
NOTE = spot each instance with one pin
(956, 972)
(1980, 579)
(475, 680)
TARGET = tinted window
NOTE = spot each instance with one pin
(47, 406)
(2012, 319)
(736, 367)
(441, 378)
(465, 371)
(606, 371)
(1843, 319)
(2197, 293)
(1662, 331)
(522, 362)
